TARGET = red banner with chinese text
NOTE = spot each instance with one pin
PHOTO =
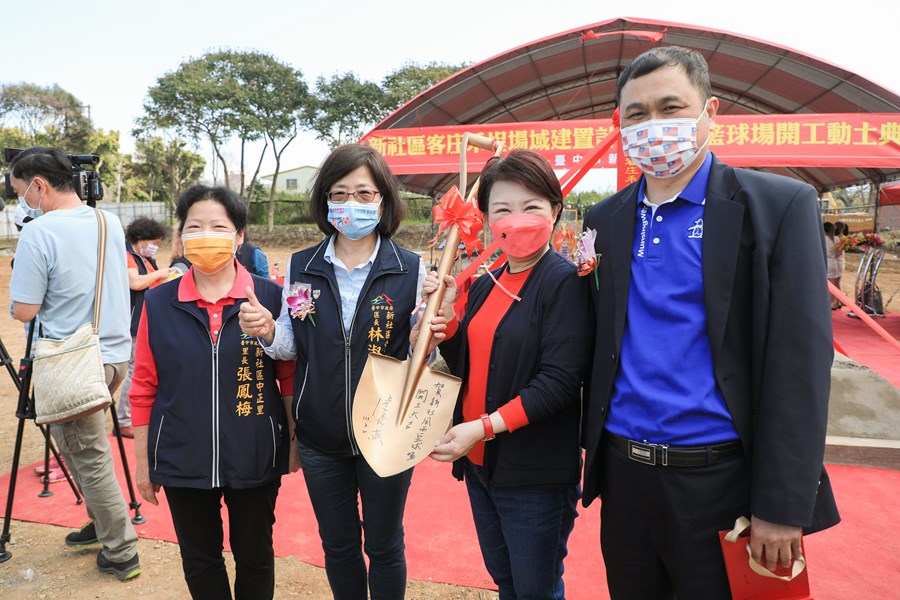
(866, 140)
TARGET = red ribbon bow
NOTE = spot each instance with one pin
(453, 210)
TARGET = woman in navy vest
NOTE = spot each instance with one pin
(143, 236)
(345, 297)
(209, 418)
(522, 348)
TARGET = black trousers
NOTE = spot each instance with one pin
(197, 516)
(659, 526)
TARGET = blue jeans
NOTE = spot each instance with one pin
(333, 483)
(523, 534)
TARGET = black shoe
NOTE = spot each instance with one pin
(85, 537)
(123, 571)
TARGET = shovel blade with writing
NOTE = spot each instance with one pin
(390, 441)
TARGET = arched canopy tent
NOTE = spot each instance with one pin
(890, 195)
(889, 206)
(572, 76)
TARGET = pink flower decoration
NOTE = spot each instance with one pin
(586, 257)
(300, 302)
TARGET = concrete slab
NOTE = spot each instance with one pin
(863, 417)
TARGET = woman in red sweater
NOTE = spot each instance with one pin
(521, 347)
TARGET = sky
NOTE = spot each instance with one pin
(108, 53)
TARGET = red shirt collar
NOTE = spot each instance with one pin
(187, 287)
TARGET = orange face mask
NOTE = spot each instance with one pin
(209, 251)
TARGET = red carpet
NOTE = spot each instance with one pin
(864, 346)
(860, 558)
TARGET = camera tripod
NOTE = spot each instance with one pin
(25, 410)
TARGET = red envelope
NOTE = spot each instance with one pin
(759, 584)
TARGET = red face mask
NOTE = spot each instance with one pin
(522, 235)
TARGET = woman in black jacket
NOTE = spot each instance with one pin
(521, 347)
(345, 297)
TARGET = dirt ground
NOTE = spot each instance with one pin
(43, 567)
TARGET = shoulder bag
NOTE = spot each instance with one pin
(69, 377)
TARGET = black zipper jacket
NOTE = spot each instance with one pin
(541, 351)
(330, 362)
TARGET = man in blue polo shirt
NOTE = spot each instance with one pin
(708, 397)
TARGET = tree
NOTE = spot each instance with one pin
(164, 169)
(129, 185)
(194, 102)
(247, 75)
(219, 96)
(13, 137)
(581, 201)
(344, 105)
(106, 146)
(412, 79)
(48, 116)
(280, 102)
(854, 195)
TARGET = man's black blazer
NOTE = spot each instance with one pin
(769, 328)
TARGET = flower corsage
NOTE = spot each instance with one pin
(300, 301)
(586, 257)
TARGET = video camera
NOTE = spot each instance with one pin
(86, 181)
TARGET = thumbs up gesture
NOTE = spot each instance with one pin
(256, 319)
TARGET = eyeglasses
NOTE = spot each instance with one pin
(359, 196)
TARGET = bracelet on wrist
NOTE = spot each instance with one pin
(488, 427)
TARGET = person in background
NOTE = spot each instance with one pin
(831, 249)
(841, 232)
(708, 397)
(142, 236)
(56, 265)
(179, 265)
(345, 297)
(253, 259)
(522, 348)
(210, 421)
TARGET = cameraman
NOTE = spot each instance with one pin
(55, 271)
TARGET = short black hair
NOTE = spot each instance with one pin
(145, 228)
(525, 167)
(50, 163)
(234, 206)
(346, 159)
(828, 226)
(691, 61)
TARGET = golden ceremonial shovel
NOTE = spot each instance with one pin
(401, 408)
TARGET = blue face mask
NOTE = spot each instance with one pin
(354, 219)
(149, 250)
(34, 213)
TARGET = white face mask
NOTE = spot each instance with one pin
(34, 213)
(663, 148)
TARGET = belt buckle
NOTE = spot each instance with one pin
(649, 454)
